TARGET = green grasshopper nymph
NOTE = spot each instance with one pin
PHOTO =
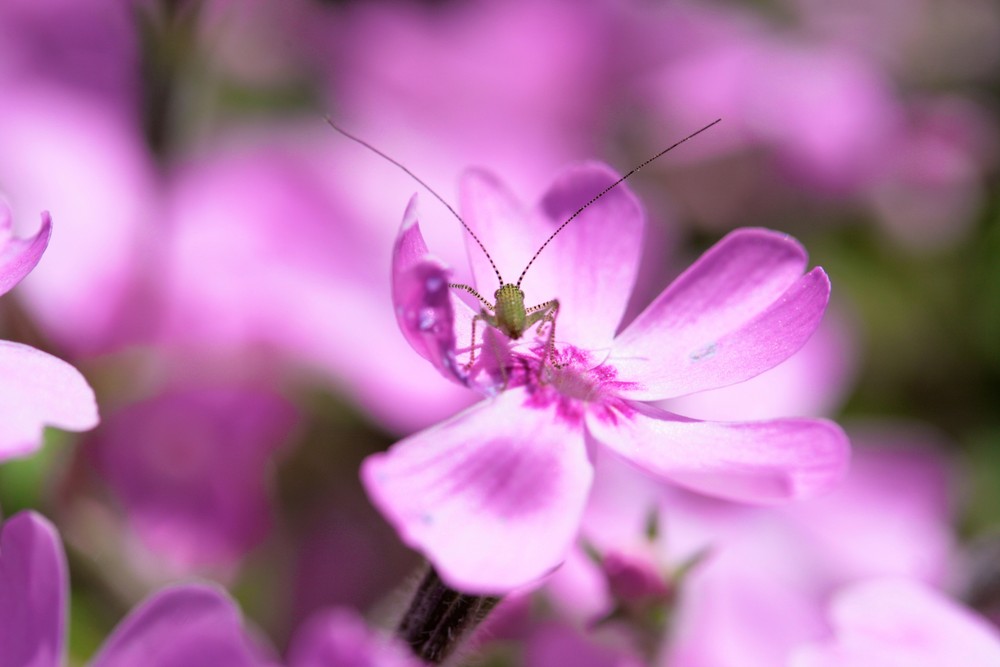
(508, 314)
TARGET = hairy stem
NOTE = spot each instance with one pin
(440, 618)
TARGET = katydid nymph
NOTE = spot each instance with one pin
(508, 313)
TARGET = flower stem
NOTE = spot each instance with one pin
(440, 618)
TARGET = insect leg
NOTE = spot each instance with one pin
(489, 320)
(482, 315)
(472, 343)
(546, 314)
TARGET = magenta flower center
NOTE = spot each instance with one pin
(574, 388)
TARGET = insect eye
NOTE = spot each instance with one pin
(496, 295)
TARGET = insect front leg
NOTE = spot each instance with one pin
(481, 315)
(546, 314)
(467, 288)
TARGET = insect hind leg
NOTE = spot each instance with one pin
(545, 314)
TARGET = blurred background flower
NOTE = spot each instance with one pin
(219, 272)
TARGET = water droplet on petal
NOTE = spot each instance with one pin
(426, 319)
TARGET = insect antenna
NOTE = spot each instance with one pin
(421, 182)
(606, 191)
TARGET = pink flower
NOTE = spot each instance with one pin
(82, 46)
(481, 81)
(494, 496)
(36, 389)
(765, 573)
(340, 638)
(190, 468)
(272, 198)
(195, 626)
(824, 112)
(901, 623)
(553, 645)
(69, 154)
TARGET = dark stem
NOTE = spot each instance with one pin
(169, 40)
(440, 618)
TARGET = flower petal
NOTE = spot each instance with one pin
(590, 266)
(493, 497)
(19, 256)
(432, 317)
(421, 297)
(741, 309)
(759, 462)
(182, 626)
(507, 229)
(33, 585)
(813, 382)
(901, 622)
(37, 389)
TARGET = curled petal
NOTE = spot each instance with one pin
(433, 318)
(33, 585)
(901, 622)
(741, 309)
(19, 256)
(423, 302)
(757, 462)
(183, 626)
(37, 389)
(493, 497)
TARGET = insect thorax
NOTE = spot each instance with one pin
(510, 313)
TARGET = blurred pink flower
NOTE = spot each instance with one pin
(765, 573)
(901, 623)
(36, 389)
(932, 186)
(33, 583)
(515, 84)
(85, 47)
(344, 528)
(72, 142)
(554, 645)
(819, 109)
(341, 638)
(825, 113)
(190, 468)
(494, 495)
(271, 199)
(88, 165)
(193, 625)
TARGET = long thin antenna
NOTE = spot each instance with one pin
(607, 190)
(421, 182)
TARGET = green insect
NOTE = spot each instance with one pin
(507, 313)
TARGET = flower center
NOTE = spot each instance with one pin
(575, 387)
